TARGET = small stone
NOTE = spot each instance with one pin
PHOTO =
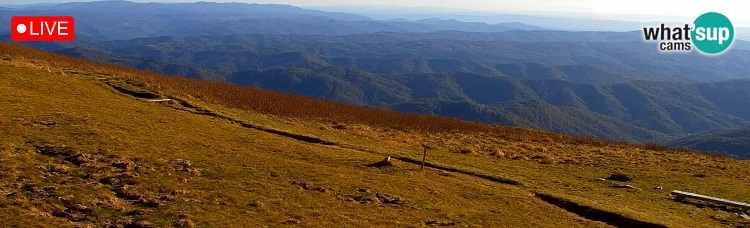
(60, 213)
(388, 198)
(138, 212)
(128, 192)
(81, 208)
(168, 197)
(255, 204)
(184, 164)
(194, 171)
(439, 223)
(80, 159)
(141, 224)
(123, 164)
(31, 188)
(58, 168)
(339, 127)
(110, 180)
(308, 186)
(543, 158)
(466, 150)
(149, 202)
(53, 151)
(86, 225)
(292, 221)
(184, 222)
(364, 199)
(303, 184)
(120, 179)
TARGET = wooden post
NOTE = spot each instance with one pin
(424, 154)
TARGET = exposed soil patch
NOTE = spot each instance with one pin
(362, 196)
(433, 222)
(127, 199)
(385, 163)
(620, 177)
(304, 138)
(135, 91)
(595, 214)
(494, 178)
(366, 196)
(309, 186)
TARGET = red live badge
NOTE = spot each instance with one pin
(42, 28)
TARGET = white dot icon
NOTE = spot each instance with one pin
(21, 28)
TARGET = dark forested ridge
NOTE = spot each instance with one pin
(735, 142)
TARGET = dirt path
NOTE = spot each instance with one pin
(583, 211)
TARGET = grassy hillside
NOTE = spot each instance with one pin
(94, 144)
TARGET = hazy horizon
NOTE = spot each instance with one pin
(667, 11)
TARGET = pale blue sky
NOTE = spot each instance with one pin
(633, 10)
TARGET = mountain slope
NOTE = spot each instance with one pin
(619, 89)
(88, 144)
(735, 142)
(75, 152)
(497, 73)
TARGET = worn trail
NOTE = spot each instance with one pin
(590, 213)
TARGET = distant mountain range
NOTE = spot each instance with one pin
(605, 84)
(116, 20)
(578, 57)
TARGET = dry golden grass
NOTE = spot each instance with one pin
(213, 172)
(252, 178)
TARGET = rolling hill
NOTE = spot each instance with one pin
(86, 144)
